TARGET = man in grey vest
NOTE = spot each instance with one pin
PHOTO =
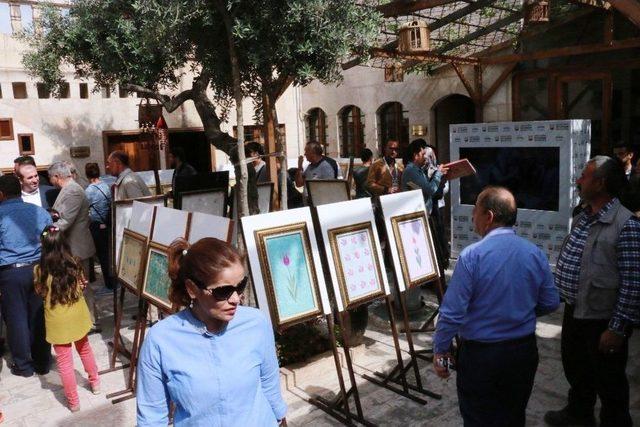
(597, 275)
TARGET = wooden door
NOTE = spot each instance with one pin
(142, 157)
(587, 96)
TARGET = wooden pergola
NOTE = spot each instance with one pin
(477, 34)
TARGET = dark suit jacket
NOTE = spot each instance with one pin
(48, 195)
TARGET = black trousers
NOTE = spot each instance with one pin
(495, 380)
(23, 313)
(101, 241)
(591, 373)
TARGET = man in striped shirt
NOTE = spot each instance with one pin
(597, 276)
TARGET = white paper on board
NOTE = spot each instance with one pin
(393, 205)
(340, 215)
(123, 213)
(141, 218)
(274, 219)
(205, 225)
(169, 225)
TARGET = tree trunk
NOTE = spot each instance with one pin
(274, 144)
(241, 184)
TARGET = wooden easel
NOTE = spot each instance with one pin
(339, 407)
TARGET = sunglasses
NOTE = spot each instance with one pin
(223, 293)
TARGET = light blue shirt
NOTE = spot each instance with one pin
(230, 378)
(20, 227)
(498, 287)
(99, 196)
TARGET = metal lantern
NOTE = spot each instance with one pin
(148, 115)
(536, 11)
(413, 37)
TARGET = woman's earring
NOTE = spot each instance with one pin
(191, 303)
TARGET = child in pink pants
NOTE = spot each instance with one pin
(59, 279)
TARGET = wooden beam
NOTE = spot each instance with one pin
(598, 4)
(425, 56)
(460, 13)
(465, 81)
(563, 51)
(498, 82)
(629, 8)
(405, 7)
(482, 32)
(608, 28)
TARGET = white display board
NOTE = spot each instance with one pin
(212, 202)
(395, 205)
(253, 223)
(545, 228)
(344, 214)
(205, 225)
(148, 177)
(169, 225)
(141, 218)
(122, 215)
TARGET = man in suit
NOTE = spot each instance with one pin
(384, 174)
(32, 190)
(128, 185)
(72, 212)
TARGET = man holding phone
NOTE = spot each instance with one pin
(499, 286)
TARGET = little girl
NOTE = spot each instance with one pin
(59, 280)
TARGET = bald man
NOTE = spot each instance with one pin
(499, 286)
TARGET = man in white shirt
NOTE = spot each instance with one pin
(32, 191)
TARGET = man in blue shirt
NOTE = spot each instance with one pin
(499, 286)
(20, 227)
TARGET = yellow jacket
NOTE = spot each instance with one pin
(64, 324)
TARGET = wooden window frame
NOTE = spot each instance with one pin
(26, 152)
(10, 137)
(358, 131)
(26, 90)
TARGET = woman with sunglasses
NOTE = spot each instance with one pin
(215, 360)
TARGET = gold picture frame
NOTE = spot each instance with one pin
(132, 260)
(156, 283)
(289, 274)
(355, 256)
(416, 250)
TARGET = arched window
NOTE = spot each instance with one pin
(316, 126)
(351, 131)
(393, 124)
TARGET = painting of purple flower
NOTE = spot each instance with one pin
(291, 275)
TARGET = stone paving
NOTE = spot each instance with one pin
(39, 400)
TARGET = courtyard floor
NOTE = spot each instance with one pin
(39, 400)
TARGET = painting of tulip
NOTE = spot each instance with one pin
(288, 273)
(415, 248)
(357, 266)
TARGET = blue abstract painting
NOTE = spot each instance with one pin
(291, 274)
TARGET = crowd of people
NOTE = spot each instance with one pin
(49, 231)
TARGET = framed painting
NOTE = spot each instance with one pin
(325, 191)
(156, 284)
(415, 248)
(132, 253)
(288, 274)
(355, 257)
